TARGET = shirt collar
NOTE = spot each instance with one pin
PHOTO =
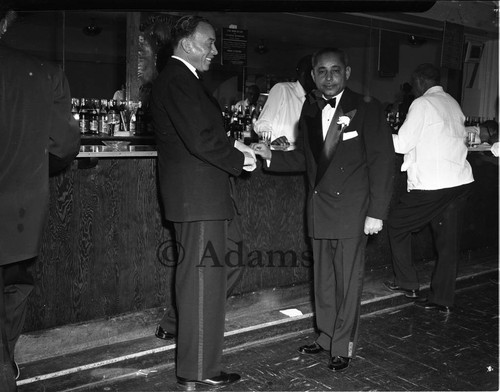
(191, 68)
(299, 89)
(338, 96)
(434, 89)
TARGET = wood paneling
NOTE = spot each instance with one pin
(99, 251)
(106, 250)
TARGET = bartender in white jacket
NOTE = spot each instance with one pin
(439, 182)
(280, 115)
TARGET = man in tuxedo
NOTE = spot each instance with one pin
(197, 164)
(345, 147)
(39, 137)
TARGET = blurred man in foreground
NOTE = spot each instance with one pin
(38, 134)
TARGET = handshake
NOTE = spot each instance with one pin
(251, 152)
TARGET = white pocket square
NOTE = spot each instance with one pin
(349, 135)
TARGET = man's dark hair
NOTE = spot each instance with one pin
(304, 65)
(303, 72)
(185, 27)
(428, 72)
(339, 52)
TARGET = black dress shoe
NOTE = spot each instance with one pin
(160, 333)
(221, 379)
(314, 348)
(409, 293)
(338, 363)
(433, 306)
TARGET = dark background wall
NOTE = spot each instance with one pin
(96, 64)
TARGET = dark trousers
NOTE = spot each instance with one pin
(16, 283)
(209, 266)
(338, 285)
(443, 210)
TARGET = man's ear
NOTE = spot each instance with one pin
(347, 72)
(186, 45)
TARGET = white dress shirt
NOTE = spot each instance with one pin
(432, 139)
(281, 111)
(328, 113)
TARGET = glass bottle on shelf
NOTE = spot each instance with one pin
(234, 129)
(103, 117)
(132, 124)
(226, 114)
(94, 118)
(113, 117)
(140, 120)
(84, 115)
(75, 103)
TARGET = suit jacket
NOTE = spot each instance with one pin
(35, 121)
(196, 159)
(357, 180)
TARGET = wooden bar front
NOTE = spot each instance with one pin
(107, 251)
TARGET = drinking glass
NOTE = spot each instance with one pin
(265, 137)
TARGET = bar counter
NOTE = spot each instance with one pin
(135, 151)
(106, 249)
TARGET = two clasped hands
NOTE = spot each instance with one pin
(261, 149)
(250, 153)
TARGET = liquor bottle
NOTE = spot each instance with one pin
(75, 103)
(241, 115)
(132, 124)
(234, 128)
(84, 117)
(226, 114)
(103, 117)
(397, 122)
(113, 118)
(246, 125)
(94, 118)
(140, 120)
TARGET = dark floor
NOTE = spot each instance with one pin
(401, 347)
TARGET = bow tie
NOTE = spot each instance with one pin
(323, 102)
(331, 102)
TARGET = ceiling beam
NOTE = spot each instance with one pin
(227, 5)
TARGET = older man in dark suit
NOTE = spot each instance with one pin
(345, 147)
(38, 134)
(197, 163)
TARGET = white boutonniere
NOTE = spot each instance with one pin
(345, 120)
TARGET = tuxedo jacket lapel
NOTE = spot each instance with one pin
(316, 136)
(330, 144)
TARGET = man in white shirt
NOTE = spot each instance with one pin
(281, 113)
(439, 182)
